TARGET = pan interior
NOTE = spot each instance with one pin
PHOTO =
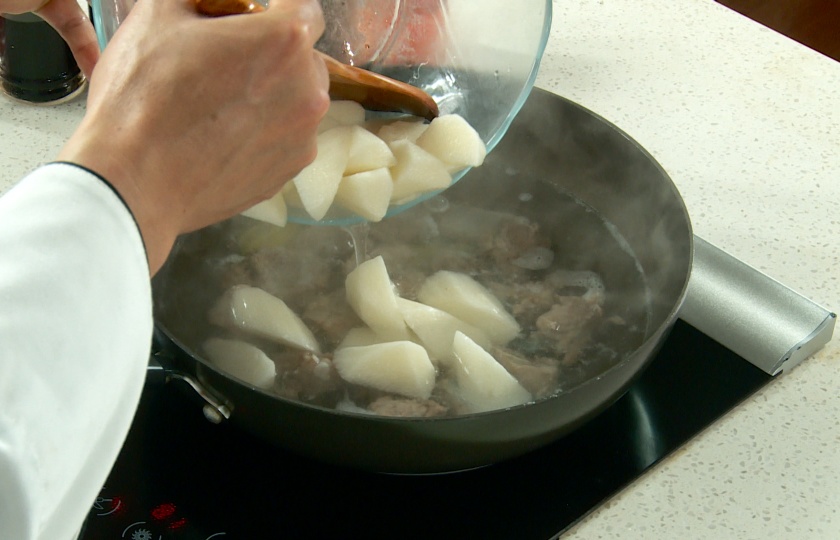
(569, 223)
(568, 276)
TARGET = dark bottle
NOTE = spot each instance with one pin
(36, 65)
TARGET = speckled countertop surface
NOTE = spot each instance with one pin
(747, 123)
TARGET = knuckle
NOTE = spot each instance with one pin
(320, 103)
(296, 34)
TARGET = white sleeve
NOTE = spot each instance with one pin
(75, 334)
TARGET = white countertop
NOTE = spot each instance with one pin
(747, 123)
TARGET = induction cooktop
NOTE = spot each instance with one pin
(181, 477)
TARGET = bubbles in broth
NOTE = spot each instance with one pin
(565, 274)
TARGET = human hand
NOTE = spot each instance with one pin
(194, 119)
(69, 20)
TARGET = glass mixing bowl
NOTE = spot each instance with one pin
(476, 59)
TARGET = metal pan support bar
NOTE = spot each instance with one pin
(755, 316)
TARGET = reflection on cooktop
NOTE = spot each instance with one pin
(182, 477)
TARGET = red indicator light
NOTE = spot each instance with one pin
(177, 524)
(166, 513)
(163, 511)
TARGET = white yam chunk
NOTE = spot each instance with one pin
(317, 183)
(408, 130)
(272, 211)
(367, 193)
(454, 141)
(362, 335)
(375, 124)
(291, 195)
(367, 152)
(345, 113)
(460, 295)
(482, 381)
(359, 337)
(436, 329)
(242, 360)
(401, 367)
(372, 296)
(416, 171)
(327, 124)
(259, 313)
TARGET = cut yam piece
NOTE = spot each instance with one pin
(463, 297)
(483, 383)
(359, 337)
(318, 182)
(367, 152)
(345, 113)
(436, 329)
(400, 367)
(416, 171)
(375, 124)
(372, 296)
(454, 141)
(291, 195)
(272, 211)
(327, 124)
(367, 193)
(402, 130)
(362, 335)
(258, 313)
(242, 360)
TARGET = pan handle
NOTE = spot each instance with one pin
(163, 363)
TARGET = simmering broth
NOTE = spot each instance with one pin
(557, 266)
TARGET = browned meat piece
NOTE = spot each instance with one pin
(331, 316)
(526, 301)
(408, 283)
(566, 317)
(515, 238)
(305, 376)
(454, 258)
(235, 272)
(538, 376)
(569, 323)
(404, 407)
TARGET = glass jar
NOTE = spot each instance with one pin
(36, 64)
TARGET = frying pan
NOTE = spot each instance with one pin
(553, 146)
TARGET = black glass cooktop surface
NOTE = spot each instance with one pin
(181, 477)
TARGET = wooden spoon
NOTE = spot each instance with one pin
(373, 91)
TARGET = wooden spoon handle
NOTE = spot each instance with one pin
(377, 92)
(373, 91)
(220, 8)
